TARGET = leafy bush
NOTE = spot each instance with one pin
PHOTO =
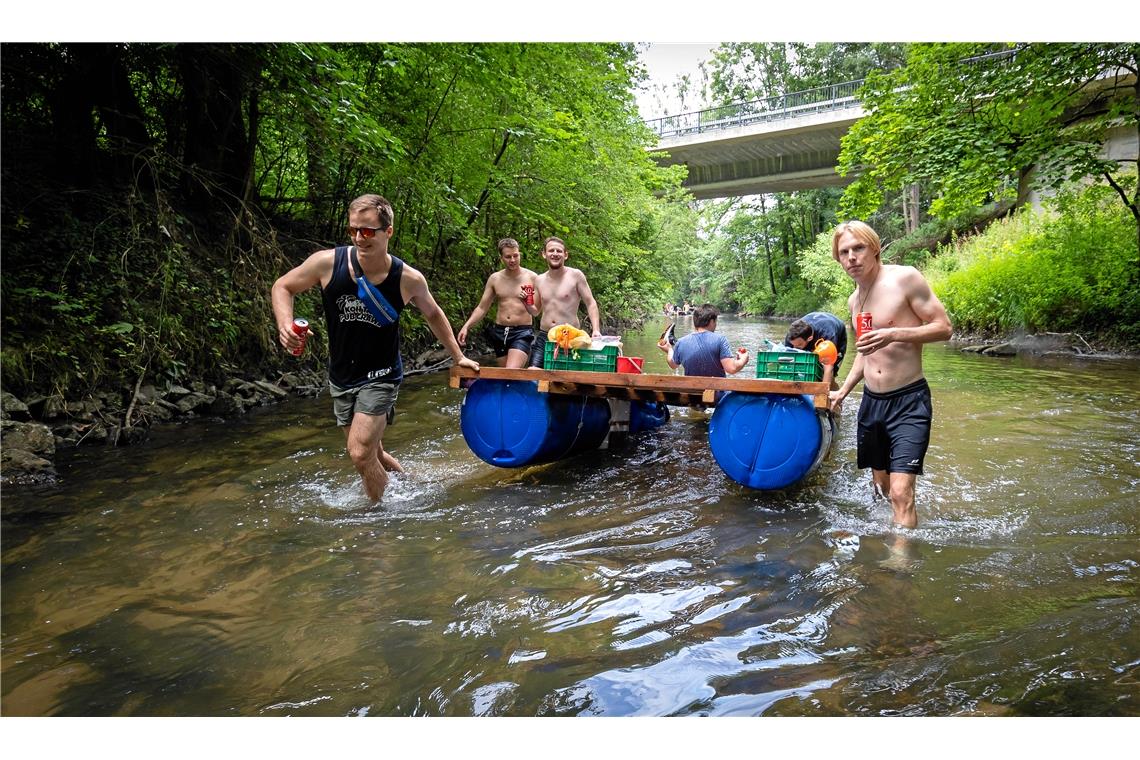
(1071, 267)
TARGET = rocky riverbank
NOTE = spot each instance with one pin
(1041, 344)
(34, 428)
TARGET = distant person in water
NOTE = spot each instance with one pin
(365, 367)
(513, 290)
(807, 332)
(896, 412)
(703, 352)
(561, 290)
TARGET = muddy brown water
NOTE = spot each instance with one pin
(234, 569)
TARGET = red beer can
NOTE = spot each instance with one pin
(862, 323)
(529, 291)
(301, 327)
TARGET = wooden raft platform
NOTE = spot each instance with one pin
(676, 390)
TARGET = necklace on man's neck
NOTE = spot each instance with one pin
(872, 287)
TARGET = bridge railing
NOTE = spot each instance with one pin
(827, 98)
(818, 99)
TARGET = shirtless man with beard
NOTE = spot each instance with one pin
(561, 289)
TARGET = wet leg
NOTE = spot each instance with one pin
(387, 461)
(880, 484)
(516, 359)
(902, 499)
(364, 448)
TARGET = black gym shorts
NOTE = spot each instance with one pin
(538, 352)
(505, 337)
(894, 428)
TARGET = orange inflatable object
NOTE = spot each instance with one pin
(826, 352)
(567, 338)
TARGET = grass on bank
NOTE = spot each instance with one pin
(1071, 266)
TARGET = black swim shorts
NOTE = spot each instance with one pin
(894, 428)
(505, 337)
(538, 352)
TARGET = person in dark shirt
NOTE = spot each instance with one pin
(806, 333)
(365, 367)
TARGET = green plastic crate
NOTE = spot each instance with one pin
(789, 365)
(581, 359)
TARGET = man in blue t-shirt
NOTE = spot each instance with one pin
(703, 352)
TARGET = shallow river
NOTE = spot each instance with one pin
(234, 568)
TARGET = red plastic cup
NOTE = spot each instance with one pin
(301, 327)
(862, 323)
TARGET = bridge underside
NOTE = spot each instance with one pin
(778, 175)
(765, 157)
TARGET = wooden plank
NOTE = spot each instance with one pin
(620, 385)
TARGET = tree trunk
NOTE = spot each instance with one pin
(215, 79)
(768, 248)
(910, 200)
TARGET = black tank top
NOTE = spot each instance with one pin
(360, 350)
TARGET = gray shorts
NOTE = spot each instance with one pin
(375, 399)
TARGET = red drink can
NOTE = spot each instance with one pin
(862, 323)
(529, 290)
(301, 327)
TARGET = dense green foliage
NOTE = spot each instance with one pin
(742, 71)
(1068, 268)
(153, 192)
(977, 122)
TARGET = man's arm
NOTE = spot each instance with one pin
(731, 361)
(479, 312)
(587, 297)
(537, 297)
(828, 374)
(663, 344)
(853, 378)
(297, 280)
(419, 295)
(735, 363)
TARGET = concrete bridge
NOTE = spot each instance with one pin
(773, 145)
(789, 142)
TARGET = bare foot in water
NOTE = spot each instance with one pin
(902, 556)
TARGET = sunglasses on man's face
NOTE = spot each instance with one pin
(365, 232)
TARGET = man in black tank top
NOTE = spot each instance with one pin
(365, 367)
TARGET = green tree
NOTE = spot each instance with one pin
(741, 71)
(977, 121)
(153, 192)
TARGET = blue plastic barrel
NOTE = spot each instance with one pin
(767, 441)
(508, 423)
(647, 415)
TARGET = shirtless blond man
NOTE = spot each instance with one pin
(895, 413)
(561, 290)
(511, 288)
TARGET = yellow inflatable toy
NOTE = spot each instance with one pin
(568, 338)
